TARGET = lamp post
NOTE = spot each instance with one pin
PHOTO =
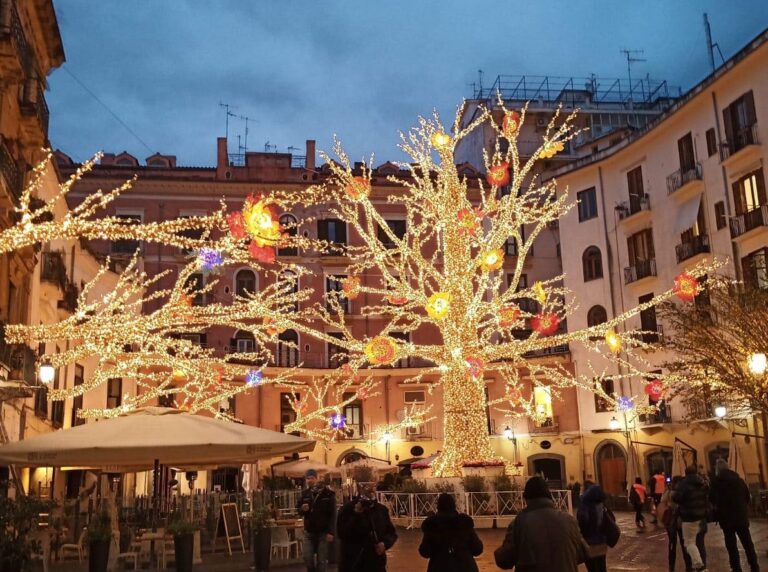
(720, 411)
(46, 372)
(387, 438)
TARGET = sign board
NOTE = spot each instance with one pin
(230, 518)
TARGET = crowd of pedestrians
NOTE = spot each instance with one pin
(541, 538)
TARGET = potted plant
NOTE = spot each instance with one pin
(98, 537)
(261, 525)
(18, 518)
(183, 533)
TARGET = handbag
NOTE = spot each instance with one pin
(609, 528)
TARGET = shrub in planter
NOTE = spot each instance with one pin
(19, 517)
(183, 533)
(479, 500)
(261, 525)
(98, 537)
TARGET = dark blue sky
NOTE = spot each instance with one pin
(363, 70)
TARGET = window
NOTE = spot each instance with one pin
(397, 227)
(195, 283)
(587, 204)
(335, 232)
(686, 153)
(41, 402)
(640, 247)
(77, 402)
(648, 322)
(596, 316)
(510, 247)
(636, 192)
(720, 219)
(755, 268)
(288, 349)
(334, 290)
(245, 282)
(601, 404)
(193, 233)
(698, 229)
(287, 414)
(711, 142)
(167, 400)
(749, 192)
(126, 246)
(336, 354)
(542, 402)
(243, 342)
(290, 283)
(197, 339)
(289, 226)
(739, 119)
(592, 264)
(353, 413)
(414, 396)
(114, 392)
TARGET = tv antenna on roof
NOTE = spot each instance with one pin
(229, 114)
(269, 147)
(245, 143)
(292, 148)
(631, 56)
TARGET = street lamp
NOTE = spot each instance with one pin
(757, 363)
(614, 424)
(508, 433)
(720, 411)
(46, 372)
(387, 438)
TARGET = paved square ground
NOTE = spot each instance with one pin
(635, 552)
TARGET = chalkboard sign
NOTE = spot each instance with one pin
(230, 517)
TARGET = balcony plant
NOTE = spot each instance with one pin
(19, 518)
(99, 537)
(261, 526)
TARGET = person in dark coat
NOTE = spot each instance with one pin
(366, 533)
(730, 497)
(450, 541)
(317, 504)
(667, 513)
(692, 498)
(590, 518)
(541, 538)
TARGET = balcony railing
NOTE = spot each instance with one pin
(33, 103)
(53, 269)
(634, 205)
(550, 351)
(298, 161)
(69, 300)
(741, 138)
(652, 334)
(641, 269)
(662, 415)
(10, 27)
(18, 359)
(355, 432)
(749, 220)
(682, 177)
(546, 425)
(10, 172)
(698, 245)
(424, 431)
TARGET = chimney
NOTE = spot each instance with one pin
(310, 155)
(222, 158)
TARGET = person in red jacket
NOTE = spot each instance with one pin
(658, 484)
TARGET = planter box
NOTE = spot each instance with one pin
(487, 471)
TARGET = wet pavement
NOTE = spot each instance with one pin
(636, 551)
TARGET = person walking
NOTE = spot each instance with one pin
(590, 516)
(667, 514)
(637, 496)
(366, 533)
(691, 497)
(450, 541)
(317, 504)
(730, 497)
(541, 538)
(658, 484)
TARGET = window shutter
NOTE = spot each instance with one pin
(728, 125)
(738, 198)
(761, 198)
(341, 232)
(749, 104)
(322, 230)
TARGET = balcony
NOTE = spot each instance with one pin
(18, 361)
(682, 178)
(651, 334)
(641, 269)
(422, 432)
(743, 139)
(557, 350)
(12, 177)
(689, 249)
(34, 113)
(636, 204)
(750, 220)
(544, 426)
(356, 432)
(662, 415)
(53, 269)
(69, 300)
(16, 56)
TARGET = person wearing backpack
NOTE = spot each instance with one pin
(597, 526)
(667, 514)
(450, 541)
(637, 498)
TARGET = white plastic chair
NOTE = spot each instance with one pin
(131, 556)
(76, 548)
(281, 543)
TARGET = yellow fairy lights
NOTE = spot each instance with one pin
(492, 260)
(438, 305)
(381, 350)
(613, 341)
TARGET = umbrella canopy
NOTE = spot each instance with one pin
(678, 460)
(375, 464)
(140, 437)
(633, 470)
(735, 460)
(299, 468)
(425, 463)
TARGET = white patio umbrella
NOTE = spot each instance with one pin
(376, 464)
(148, 435)
(633, 467)
(678, 460)
(299, 467)
(735, 460)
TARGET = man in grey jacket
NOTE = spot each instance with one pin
(541, 538)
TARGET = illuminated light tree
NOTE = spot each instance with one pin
(443, 278)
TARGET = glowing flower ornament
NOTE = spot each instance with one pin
(270, 328)
(440, 140)
(686, 287)
(498, 175)
(438, 305)
(381, 350)
(510, 124)
(551, 148)
(236, 224)
(508, 316)
(337, 421)
(397, 300)
(654, 389)
(209, 259)
(545, 324)
(492, 260)
(351, 287)
(540, 292)
(475, 367)
(358, 188)
(625, 403)
(469, 221)
(260, 222)
(253, 377)
(613, 341)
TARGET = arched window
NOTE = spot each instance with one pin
(243, 342)
(289, 283)
(245, 282)
(592, 261)
(287, 349)
(596, 316)
(290, 227)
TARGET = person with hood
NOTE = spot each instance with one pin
(590, 517)
(637, 496)
(692, 498)
(541, 538)
(730, 497)
(667, 513)
(317, 504)
(366, 533)
(450, 541)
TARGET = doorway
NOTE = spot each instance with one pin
(550, 467)
(659, 461)
(611, 468)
